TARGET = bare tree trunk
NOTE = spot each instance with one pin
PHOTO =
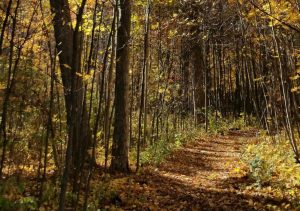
(68, 43)
(142, 110)
(199, 70)
(119, 161)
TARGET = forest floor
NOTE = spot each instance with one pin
(203, 175)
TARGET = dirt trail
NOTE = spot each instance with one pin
(199, 177)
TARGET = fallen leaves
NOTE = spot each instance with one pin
(204, 175)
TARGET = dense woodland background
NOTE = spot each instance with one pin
(95, 87)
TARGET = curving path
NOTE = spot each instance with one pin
(201, 176)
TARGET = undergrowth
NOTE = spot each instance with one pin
(157, 153)
(12, 196)
(271, 162)
(218, 124)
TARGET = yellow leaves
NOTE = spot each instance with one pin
(266, 7)
(67, 66)
(155, 26)
(286, 206)
(164, 2)
(251, 14)
(275, 12)
(172, 33)
(170, 1)
(212, 176)
(258, 79)
(293, 78)
(134, 18)
(273, 163)
(79, 74)
(237, 170)
(84, 76)
(293, 17)
(102, 28)
(99, 134)
(295, 89)
(2, 86)
(29, 168)
(250, 148)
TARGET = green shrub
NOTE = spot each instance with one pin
(271, 162)
(219, 124)
(260, 171)
(158, 152)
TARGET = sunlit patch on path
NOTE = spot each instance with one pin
(201, 176)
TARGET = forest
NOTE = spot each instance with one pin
(149, 105)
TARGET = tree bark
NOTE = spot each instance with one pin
(199, 69)
(119, 161)
(68, 44)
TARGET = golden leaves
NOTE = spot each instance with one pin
(293, 78)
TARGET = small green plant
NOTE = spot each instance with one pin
(158, 152)
(27, 203)
(261, 172)
(238, 123)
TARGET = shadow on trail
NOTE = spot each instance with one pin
(197, 178)
(177, 195)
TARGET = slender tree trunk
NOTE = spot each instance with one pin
(142, 110)
(5, 24)
(12, 67)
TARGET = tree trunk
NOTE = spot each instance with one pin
(68, 43)
(199, 69)
(119, 161)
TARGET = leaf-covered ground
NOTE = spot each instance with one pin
(204, 175)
